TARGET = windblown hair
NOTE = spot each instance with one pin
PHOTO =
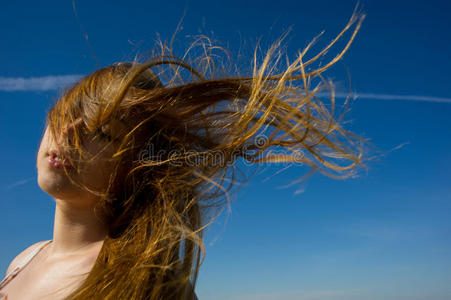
(186, 129)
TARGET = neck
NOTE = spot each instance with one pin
(76, 230)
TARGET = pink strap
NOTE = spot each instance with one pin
(26, 260)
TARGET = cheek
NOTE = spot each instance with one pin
(97, 174)
(45, 143)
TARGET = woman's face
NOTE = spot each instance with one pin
(95, 174)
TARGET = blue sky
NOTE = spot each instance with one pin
(384, 235)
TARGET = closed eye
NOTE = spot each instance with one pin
(102, 134)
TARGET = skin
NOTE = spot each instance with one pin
(78, 232)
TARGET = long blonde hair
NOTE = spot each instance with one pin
(175, 163)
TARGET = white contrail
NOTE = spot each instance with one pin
(374, 96)
(18, 183)
(48, 83)
(44, 83)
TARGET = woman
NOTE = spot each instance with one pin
(137, 166)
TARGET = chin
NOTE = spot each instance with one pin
(59, 187)
(52, 184)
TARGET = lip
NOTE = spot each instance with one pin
(53, 154)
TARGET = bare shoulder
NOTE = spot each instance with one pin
(21, 256)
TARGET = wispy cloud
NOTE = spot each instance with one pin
(299, 191)
(17, 183)
(44, 83)
(48, 83)
(375, 96)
